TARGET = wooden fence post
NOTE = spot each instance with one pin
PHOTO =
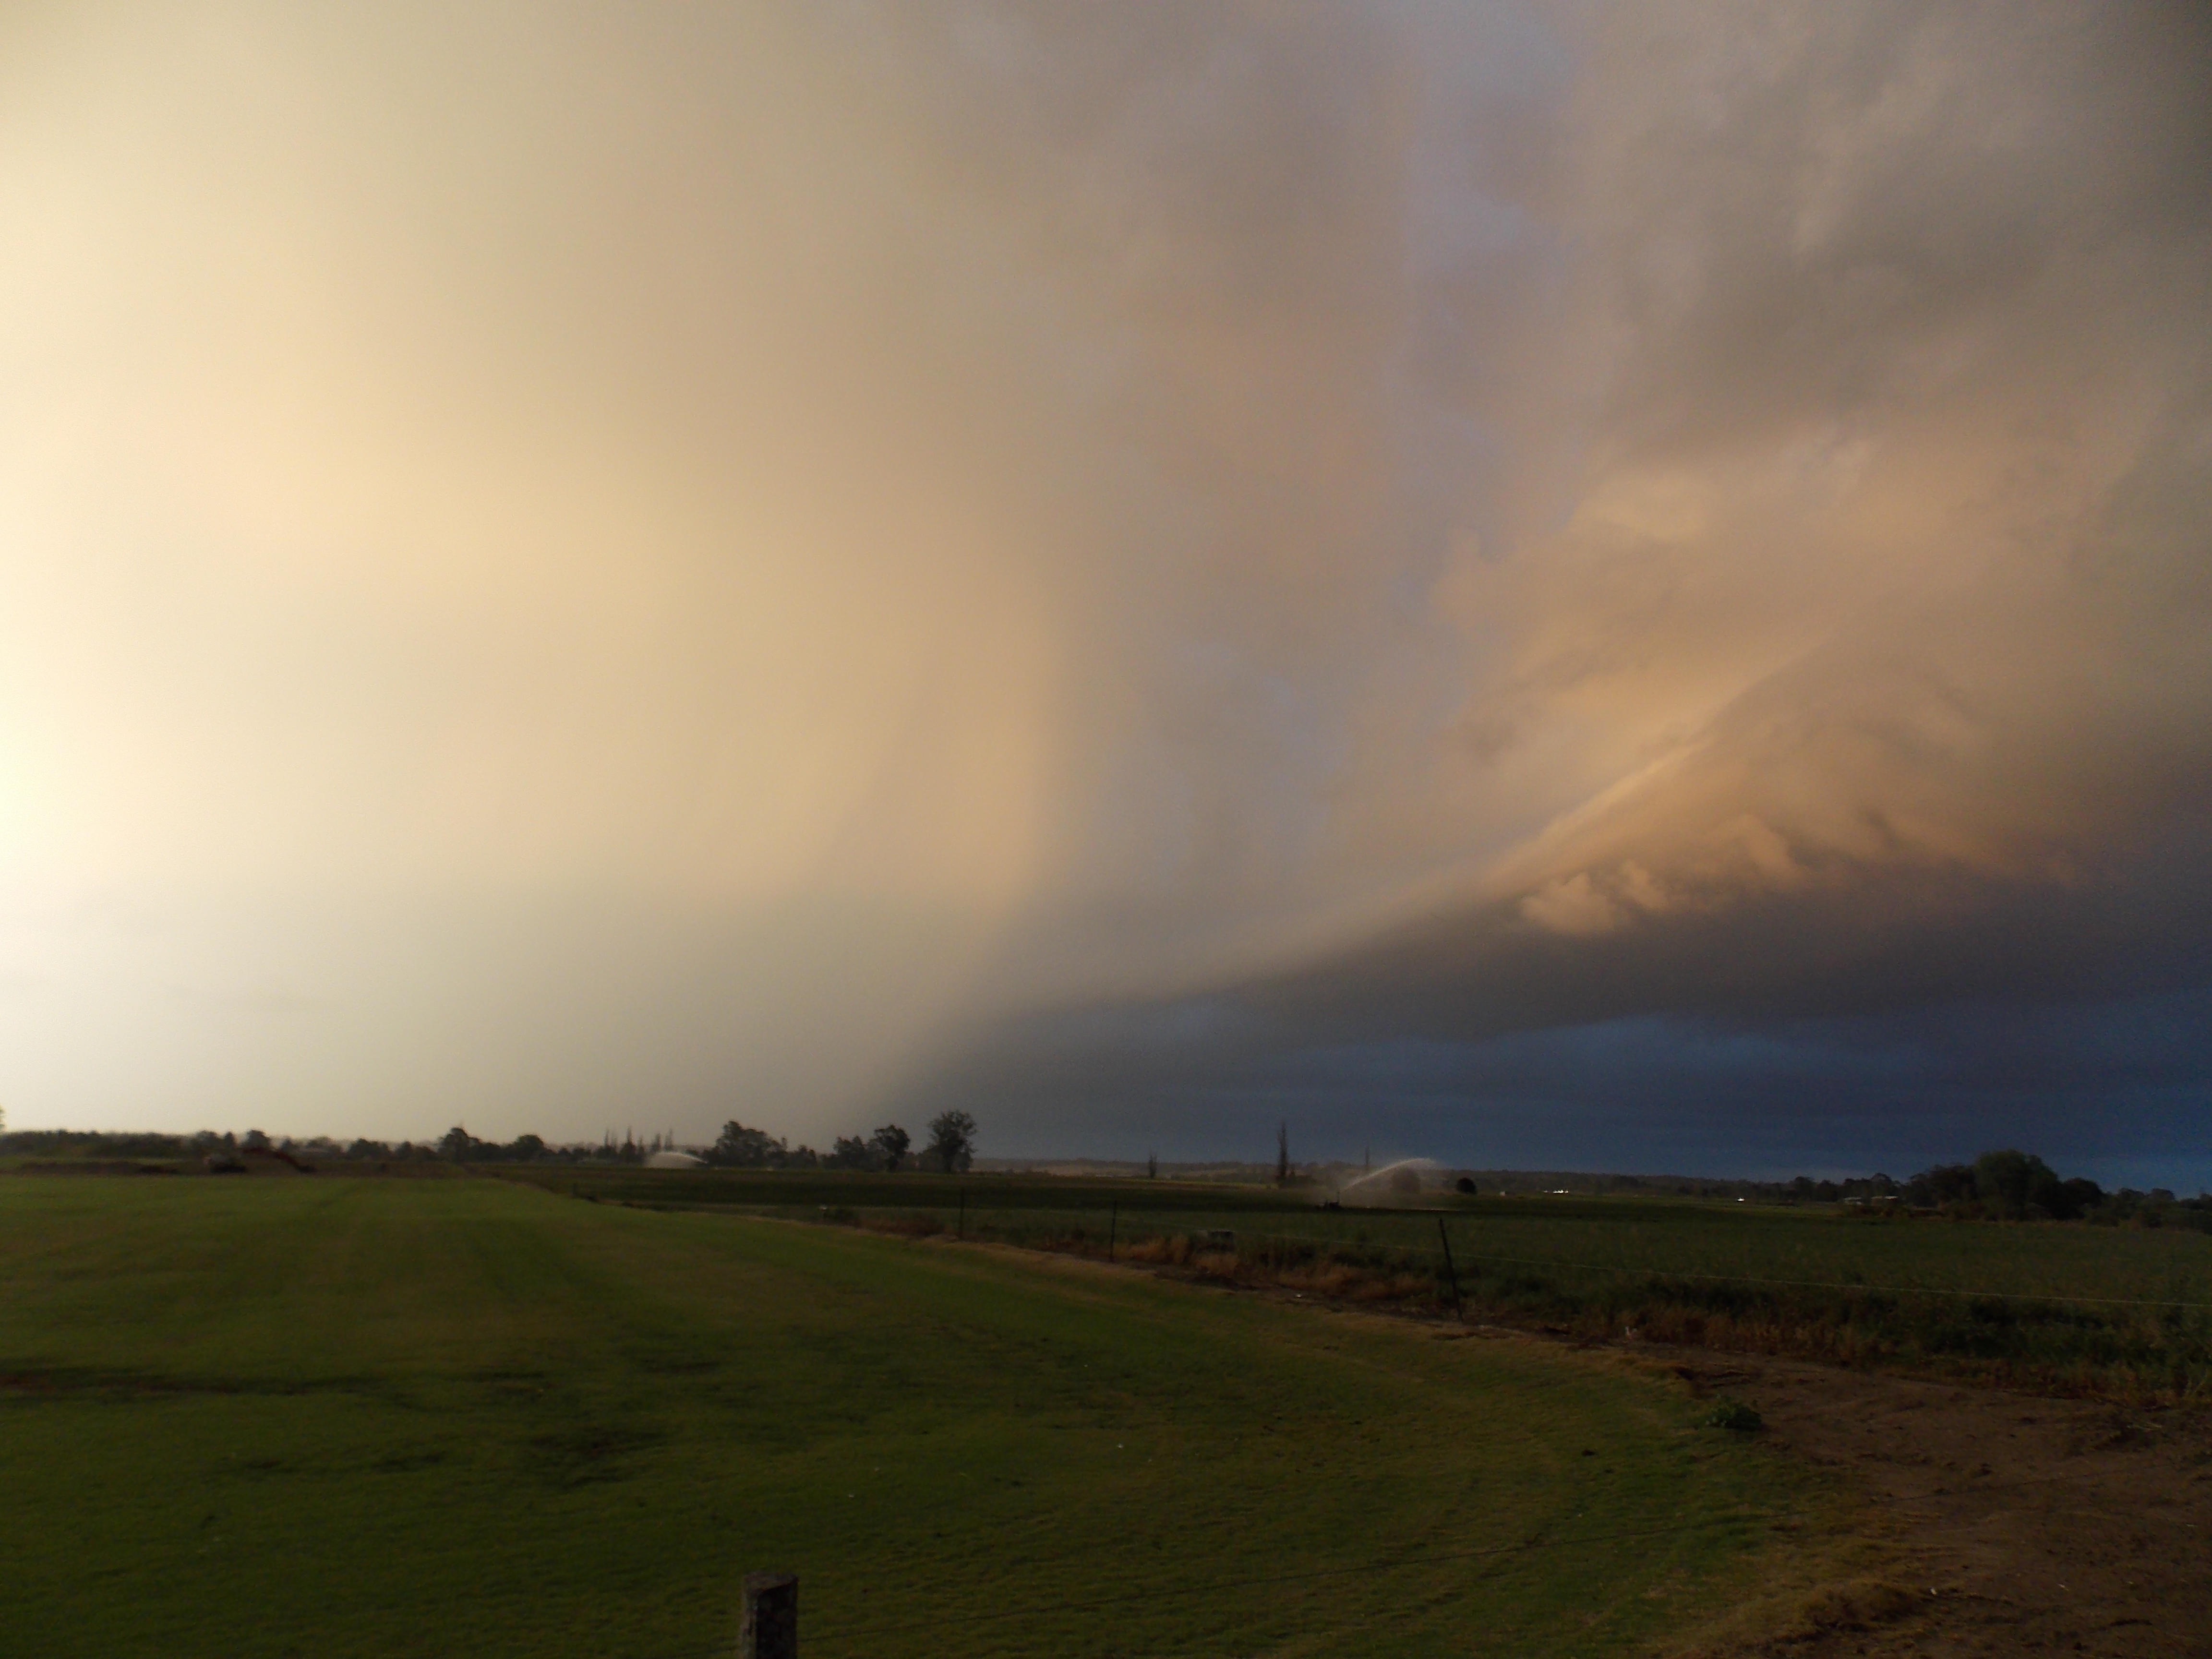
(1458, 1312)
(769, 1628)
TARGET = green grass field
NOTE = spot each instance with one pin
(335, 1417)
(2068, 1308)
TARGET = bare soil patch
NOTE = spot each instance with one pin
(1994, 1522)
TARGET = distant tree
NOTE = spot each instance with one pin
(1945, 1184)
(526, 1149)
(2077, 1197)
(255, 1141)
(2015, 1184)
(890, 1142)
(458, 1143)
(951, 1142)
(851, 1152)
(746, 1149)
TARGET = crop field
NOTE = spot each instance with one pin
(2070, 1309)
(359, 1416)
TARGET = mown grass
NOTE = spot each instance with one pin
(335, 1417)
(2068, 1309)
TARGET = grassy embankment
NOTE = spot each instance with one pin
(362, 1417)
(2064, 1307)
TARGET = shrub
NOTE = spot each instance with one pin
(1734, 1416)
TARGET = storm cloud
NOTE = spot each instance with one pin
(1145, 569)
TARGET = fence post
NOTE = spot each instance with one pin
(769, 1628)
(1451, 1271)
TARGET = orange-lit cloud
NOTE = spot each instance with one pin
(571, 567)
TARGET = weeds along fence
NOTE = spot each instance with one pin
(2141, 1350)
(1857, 1304)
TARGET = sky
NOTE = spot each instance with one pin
(1546, 585)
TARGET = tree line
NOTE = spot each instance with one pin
(2008, 1185)
(952, 1148)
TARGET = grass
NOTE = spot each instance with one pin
(360, 1417)
(2070, 1309)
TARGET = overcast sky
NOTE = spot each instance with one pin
(1622, 587)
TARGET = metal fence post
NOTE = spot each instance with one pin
(1452, 1272)
(769, 1628)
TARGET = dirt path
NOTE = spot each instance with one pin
(2000, 1523)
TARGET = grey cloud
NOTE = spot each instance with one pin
(1885, 558)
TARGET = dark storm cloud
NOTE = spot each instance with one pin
(1892, 549)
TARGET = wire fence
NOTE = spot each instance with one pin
(1138, 1228)
(1852, 1287)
